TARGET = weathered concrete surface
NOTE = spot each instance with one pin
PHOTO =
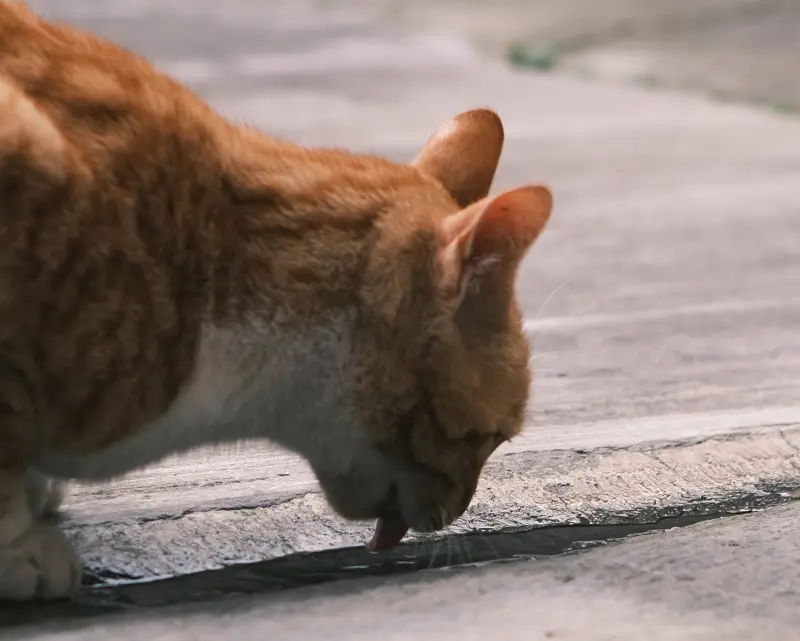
(726, 580)
(208, 512)
(666, 286)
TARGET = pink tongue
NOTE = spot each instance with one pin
(389, 531)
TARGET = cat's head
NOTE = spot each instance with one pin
(442, 360)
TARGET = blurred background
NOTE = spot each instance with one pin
(731, 49)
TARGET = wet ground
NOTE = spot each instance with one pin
(107, 594)
(110, 594)
(690, 578)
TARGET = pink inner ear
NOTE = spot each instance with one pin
(494, 234)
(508, 224)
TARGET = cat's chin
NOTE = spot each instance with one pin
(356, 498)
(398, 502)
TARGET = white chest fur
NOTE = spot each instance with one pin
(291, 388)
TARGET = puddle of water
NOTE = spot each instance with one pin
(299, 570)
(470, 550)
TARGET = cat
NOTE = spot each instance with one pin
(169, 279)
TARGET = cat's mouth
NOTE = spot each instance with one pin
(389, 531)
(390, 527)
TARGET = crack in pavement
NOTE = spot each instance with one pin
(518, 491)
(114, 592)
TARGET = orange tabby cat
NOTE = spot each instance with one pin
(169, 279)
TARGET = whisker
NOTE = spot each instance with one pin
(434, 553)
(555, 371)
(416, 552)
(549, 298)
(561, 351)
(489, 545)
(463, 550)
(457, 555)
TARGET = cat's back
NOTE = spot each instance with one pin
(107, 174)
(98, 150)
(88, 132)
(103, 99)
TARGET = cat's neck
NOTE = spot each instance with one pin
(298, 227)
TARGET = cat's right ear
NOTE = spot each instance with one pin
(481, 247)
(463, 154)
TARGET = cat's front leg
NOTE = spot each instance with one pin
(45, 494)
(36, 560)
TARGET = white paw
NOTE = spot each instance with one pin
(40, 564)
(44, 493)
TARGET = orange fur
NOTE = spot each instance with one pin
(135, 222)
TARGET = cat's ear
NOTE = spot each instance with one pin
(481, 247)
(463, 154)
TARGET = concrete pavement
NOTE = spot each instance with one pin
(663, 303)
(205, 513)
(732, 580)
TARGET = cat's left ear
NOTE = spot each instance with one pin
(463, 154)
(484, 244)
